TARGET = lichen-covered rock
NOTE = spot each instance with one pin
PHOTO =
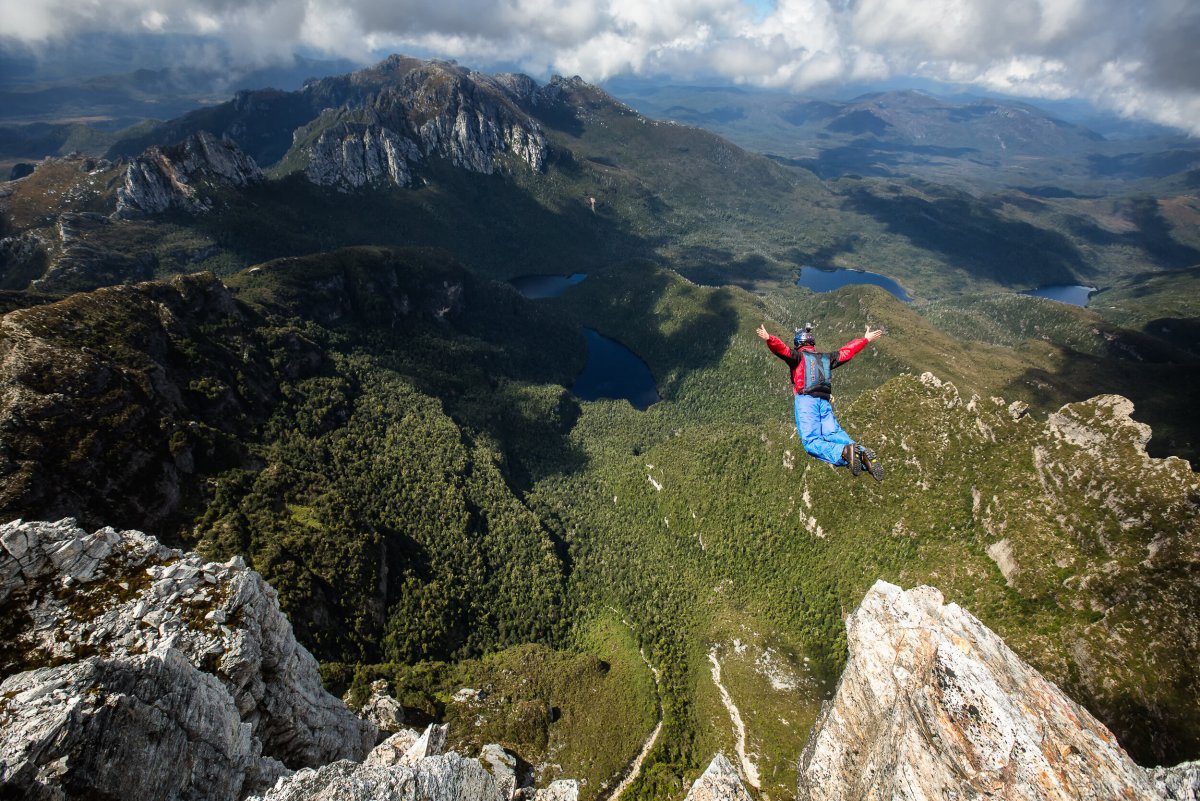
(80, 727)
(382, 709)
(168, 177)
(116, 642)
(503, 766)
(447, 777)
(933, 704)
(719, 782)
(1178, 783)
(392, 750)
(558, 790)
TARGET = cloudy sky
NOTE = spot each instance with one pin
(1136, 57)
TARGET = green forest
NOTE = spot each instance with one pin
(392, 442)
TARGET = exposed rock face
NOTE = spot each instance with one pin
(118, 646)
(448, 777)
(348, 156)
(168, 177)
(720, 782)
(382, 709)
(1180, 783)
(933, 704)
(421, 771)
(400, 112)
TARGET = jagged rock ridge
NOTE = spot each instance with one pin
(933, 704)
(167, 177)
(122, 651)
(400, 112)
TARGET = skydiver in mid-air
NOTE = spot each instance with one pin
(819, 430)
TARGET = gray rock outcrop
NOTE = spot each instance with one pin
(413, 111)
(447, 777)
(933, 704)
(719, 782)
(349, 156)
(123, 652)
(408, 766)
(382, 709)
(165, 178)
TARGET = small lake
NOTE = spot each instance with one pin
(614, 371)
(1074, 294)
(819, 279)
(545, 286)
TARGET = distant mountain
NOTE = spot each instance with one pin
(119, 99)
(516, 177)
(975, 141)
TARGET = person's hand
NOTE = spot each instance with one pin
(871, 336)
(762, 332)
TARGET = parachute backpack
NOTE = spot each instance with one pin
(816, 371)
(816, 365)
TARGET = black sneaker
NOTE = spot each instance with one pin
(867, 456)
(850, 454)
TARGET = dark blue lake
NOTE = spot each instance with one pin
(822, 280)
(614, 371)
(545, 286)
(1074, 294)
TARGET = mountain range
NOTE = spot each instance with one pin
(279, 328)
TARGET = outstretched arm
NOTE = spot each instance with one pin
(847, 351)
(774, 343)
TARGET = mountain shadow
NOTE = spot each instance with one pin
(973, 237)
(675, 327)
(488, 221)
(1156, 377)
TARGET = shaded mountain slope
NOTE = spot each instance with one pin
(160, 401)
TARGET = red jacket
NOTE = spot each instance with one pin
(792, 357)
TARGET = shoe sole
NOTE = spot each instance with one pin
(855, 464)
(870, 465)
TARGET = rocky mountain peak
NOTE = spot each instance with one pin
(170, 177)
(402, 111)
(933, 704)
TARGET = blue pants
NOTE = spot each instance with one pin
(819, 430)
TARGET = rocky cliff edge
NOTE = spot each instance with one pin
(168, 177)
(133, 670)
(933, 705)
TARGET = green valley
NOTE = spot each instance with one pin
(337, 383)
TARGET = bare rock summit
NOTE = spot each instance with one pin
(165, 178)
(934, 705)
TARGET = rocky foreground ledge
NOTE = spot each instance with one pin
(933, 705)
(133, 670)
(136, 671)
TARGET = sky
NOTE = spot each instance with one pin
(1139, 58)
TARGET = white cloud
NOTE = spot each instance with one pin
(1138, 58)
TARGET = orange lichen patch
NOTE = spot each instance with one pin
(1182, 211)
(1102, 213)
